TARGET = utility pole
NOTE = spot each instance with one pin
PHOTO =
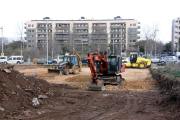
(113, 46)
(178, 37)
(121, 40)
(2, 42)
(21, 50)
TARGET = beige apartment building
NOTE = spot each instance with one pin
(84, 34)
(175, 34)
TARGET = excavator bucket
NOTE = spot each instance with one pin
(96, 86)
(56, 71)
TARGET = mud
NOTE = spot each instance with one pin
(135, 99)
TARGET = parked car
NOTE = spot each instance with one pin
(49, 61)
(162, 60)
(84, 60)
(155, 59)
(54, 61)
(170, 59)
(3, 59)
(15, 60)
(125, 59)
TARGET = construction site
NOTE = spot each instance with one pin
(102, 89)
(50, 96)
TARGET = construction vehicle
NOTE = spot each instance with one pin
(104, 70)
(71, 64)
(138, 62)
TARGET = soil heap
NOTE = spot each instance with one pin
(20, 93)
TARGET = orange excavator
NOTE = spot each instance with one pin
(104, 70)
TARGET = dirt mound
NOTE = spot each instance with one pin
(18, 91)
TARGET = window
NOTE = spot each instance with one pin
(130, 40)
(29, 41)
(29, 25)
(2, 58)
(10, 58)
(14, 58)
(32, 35)
(130, 24)
(32, 30)
(134, 40)
(32, 25)
(29, 45)
(29, 30)
(134, 24)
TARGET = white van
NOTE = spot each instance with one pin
(15, 60)
(60, 59)
(3, 59)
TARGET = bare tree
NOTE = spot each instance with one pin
(149, 35)
(20, 32)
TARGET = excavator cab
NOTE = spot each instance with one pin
(112, 65)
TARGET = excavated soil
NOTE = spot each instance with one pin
(138, 97)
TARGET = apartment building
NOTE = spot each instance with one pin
(175, 34)
(84, 34)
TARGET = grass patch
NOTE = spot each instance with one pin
(171, 73)
(175, 74)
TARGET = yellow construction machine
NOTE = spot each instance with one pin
(138, 62)
(71, 64)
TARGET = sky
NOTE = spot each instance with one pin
(147, 12)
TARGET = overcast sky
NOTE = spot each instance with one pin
(147, 12)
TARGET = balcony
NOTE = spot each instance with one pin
(118, 42)
(80, 27)
(43, 38)
(63, 42)
(99, 32)
(117, 26)
(117, 32)
(63, 27)
(44, 32)
(43, 27)
(24, 27)
(24, 32)
(99, 27)
(62, 38)
(78, 42)
(41, 43)
(139, 27)
(138, 32)
(62, 32)
(101, 42)
(96, 37)
(138, 37)
(81, 37)
(118, 37)
(85, 32)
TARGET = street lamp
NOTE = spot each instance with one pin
(2, 40)
(47, 38)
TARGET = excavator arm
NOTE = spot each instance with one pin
(99, 58)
